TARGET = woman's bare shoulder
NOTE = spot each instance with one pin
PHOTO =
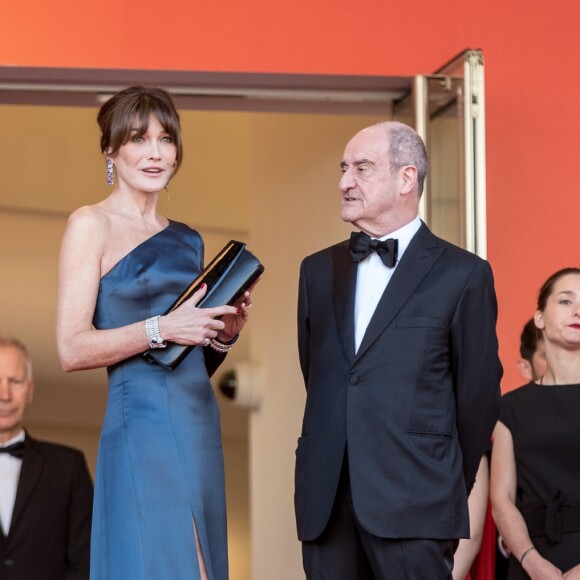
(88, 215)
(88, 220)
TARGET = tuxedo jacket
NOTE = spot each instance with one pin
(49, 536)
(414, 407)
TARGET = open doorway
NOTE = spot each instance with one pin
(55, 166)
(261, 164)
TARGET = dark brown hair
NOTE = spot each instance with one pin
(548, 286)
(131, 109)
(529, 338)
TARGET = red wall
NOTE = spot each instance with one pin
(532, 89)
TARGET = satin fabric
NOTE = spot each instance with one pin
(160, 464)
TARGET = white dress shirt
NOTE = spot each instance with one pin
(372, 278)
(9, 475)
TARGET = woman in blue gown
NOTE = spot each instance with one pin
(159, 509)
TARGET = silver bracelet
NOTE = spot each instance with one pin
(153, 335)
(526, 553)
(220, 346)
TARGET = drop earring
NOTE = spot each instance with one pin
(110, 173)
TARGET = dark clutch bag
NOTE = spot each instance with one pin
(227, 277)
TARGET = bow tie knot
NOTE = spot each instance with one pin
(361, 245)
(16, 449)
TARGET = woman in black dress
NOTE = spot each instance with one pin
(535, 475)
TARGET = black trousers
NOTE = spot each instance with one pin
(346, 551)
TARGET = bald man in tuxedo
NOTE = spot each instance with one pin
(46, 492)
(398, 349)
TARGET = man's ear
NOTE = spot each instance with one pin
(525, 369)
(409, 176)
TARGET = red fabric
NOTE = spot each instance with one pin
(484, 566)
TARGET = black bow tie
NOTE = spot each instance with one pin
(16, 449)
(362, 245)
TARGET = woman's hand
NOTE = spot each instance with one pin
(190, 325)
(233, 324)
(539, 568)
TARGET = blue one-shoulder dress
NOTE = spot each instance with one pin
(160, 462)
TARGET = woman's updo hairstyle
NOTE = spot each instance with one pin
(131, 109)
(548, 285)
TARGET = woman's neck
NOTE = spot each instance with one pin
(563, 366)
(132, 204)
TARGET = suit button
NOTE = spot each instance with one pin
(8, 562)
(353, 380)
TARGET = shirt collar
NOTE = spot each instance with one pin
(20, 437)
(404, 235)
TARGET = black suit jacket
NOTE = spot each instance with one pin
(49, 537)
(415, 407)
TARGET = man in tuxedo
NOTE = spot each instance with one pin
(399, 354)
(46, 492)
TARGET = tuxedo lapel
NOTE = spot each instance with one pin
(32, 465)
(423, 251)
(344, 290)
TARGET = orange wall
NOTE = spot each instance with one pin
(532, 88)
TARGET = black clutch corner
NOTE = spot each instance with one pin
(228, 276)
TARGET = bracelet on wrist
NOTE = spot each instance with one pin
(153, 335)
(220, 346)
(526, 552)
(232, 341)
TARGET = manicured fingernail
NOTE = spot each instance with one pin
(203, 285)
